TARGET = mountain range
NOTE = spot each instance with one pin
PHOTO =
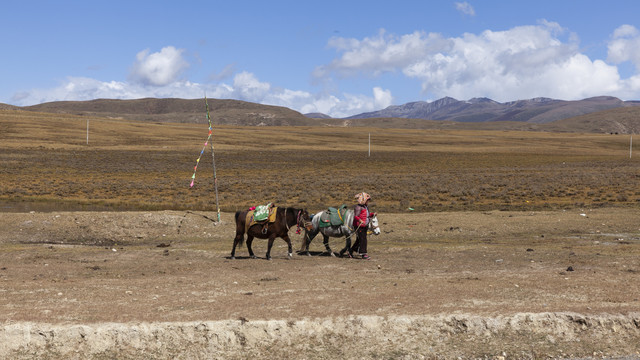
(597, 114)
(537, 110)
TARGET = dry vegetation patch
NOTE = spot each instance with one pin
(149, 166)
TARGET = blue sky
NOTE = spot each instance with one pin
(336, 57)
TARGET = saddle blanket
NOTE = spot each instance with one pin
(262, 212)
(252, 217)
(333, 216)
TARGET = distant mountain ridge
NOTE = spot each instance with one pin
(538, 110)
(222, 111)
(594, 115)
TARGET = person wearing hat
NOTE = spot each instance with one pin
(361, 223)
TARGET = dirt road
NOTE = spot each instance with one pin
(556, 284)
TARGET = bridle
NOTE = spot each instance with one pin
(298, 220)
(370, 228)
(373, 228)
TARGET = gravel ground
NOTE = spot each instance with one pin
(557, 284)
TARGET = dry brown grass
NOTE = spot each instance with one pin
(130, 164)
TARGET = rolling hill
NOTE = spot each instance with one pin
(625, 120)
(597, 115)
(226, 112)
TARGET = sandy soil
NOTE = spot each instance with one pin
(558, 284)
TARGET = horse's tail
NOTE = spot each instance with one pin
(240, 227)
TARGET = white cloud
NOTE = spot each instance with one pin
(246, 86)
(78, 88)
(352, 104)
(382, 53)
(159, 68)
(323, 104)
(625, 46)
(306, 102)
(518, 63)
(465, 8)
(381, 98)
(625, 31)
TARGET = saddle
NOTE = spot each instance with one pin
(262, 214)
(333, 216)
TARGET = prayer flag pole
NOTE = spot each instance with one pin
(213, 159)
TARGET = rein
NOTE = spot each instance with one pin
(286, 223)
(358, 227)
(298, 221)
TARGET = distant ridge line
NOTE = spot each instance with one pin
(602, 114)
(537, 110)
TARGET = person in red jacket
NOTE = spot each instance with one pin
(361, 223)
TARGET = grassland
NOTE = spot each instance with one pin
(47, 158)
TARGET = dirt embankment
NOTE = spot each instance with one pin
(512, 285)
(521, 336)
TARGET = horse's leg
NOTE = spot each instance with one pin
(308, 236)
(286, 238)
(347, 247)
(249, 241)
(356, 246)
(239, 238)
(271, 239)
(325, 241)
(236, 241)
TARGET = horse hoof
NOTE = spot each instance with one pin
(253, 257)
(332, 254)
(232, 258)
(308, 253)
(290, 255)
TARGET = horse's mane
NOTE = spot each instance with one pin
(288, 209)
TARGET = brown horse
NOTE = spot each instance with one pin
(285, 219)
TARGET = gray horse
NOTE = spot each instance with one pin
(343, 230)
